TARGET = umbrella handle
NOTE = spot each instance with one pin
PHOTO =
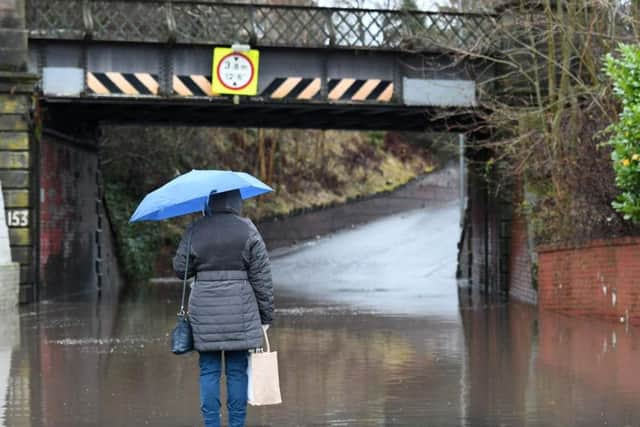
(186, 271)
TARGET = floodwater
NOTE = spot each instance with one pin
(371, 330)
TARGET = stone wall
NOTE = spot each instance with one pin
(9, 271)
(16, 91)
(16, 173)
(9, 280)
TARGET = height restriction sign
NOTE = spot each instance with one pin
(235, 72)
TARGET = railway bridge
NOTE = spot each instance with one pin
(69, 66)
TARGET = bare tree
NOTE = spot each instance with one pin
(549, 104)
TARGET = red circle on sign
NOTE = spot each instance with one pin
(250, 66)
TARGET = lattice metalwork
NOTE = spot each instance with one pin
(450, 31)
(370, 29)
(374, 29)
(212, 23)
(128, 20)
(218, 23)
(58, 19)
(291, 27)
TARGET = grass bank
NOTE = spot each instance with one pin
(307, 168)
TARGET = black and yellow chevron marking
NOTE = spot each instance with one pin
(112, 83)
(360, 90)
(293, 88)
(306, 89)
(298, 88)
(193, 85)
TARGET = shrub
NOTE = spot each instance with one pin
(137, 243)
(625, 140)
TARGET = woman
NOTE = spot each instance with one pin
(231, 300)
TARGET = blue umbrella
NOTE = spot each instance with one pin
(189, 192)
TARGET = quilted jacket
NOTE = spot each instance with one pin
(232, 294)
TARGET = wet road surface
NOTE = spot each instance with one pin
(370, 330)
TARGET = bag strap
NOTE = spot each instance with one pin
(186, 271)
(266, 339)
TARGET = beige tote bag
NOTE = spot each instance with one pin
(264, 382)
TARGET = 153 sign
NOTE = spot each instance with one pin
(18, 218)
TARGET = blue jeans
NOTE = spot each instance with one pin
(236, 372)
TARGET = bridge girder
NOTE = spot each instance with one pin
(353, 90)
(66, 111)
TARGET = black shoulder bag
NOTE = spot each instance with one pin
(182, 335)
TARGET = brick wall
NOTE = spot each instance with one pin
(496, 236)
(68, 217)
(520, 280)
(483, 251)
(598, 279)
(479, 231)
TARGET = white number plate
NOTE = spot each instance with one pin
(18, 218)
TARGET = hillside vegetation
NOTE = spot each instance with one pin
(307, 168)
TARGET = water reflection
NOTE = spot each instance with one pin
(90, 363)
(594, 366)
(350, 354)
(539, 368)
(491, 365)
(339, 367)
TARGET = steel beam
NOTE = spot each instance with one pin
(257, 114)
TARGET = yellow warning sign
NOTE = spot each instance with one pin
(235, 72)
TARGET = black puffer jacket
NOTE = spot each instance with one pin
(232, 294)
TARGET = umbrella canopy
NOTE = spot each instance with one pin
(189, 192)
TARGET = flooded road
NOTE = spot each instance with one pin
(370, 330)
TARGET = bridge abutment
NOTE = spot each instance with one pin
(68, 214)
(16, 173)
(16, 147)
(76, 247)
(485, 245)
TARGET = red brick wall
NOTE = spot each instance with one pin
(67, 218)
(597, 279)
(520, 283)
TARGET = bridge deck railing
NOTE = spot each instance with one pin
(204, 22)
